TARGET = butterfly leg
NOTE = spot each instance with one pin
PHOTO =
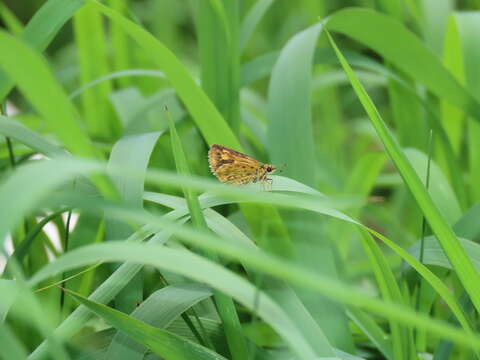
(270, 184)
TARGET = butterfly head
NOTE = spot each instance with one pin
(269, 168)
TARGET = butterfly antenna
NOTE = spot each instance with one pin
(281, 170)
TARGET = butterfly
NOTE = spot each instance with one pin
(233, 167)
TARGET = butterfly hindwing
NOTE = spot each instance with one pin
(233, 167)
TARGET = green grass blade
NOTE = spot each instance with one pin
(434, 254)
(11, 345)
(439, 188)
(295, 104)
(283, 143)
(92, 58)
(218, 50)
(16, 131)
(41, 30)
(35, 80)
(374, 332)
(252, 19)
(199, 270)
(182, 168)
(161, 342)
(452, 117)
(133, 152)
(120, 45)
(174, 259)
(159, 310)
(390, 292)
(396, 44)
(58, 171)
(468, 27)
(282, 293)
(211, 124)
(12, 23)
(456, 254)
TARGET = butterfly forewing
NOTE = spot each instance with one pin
(233, 167)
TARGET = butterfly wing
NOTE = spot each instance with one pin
(233, 167)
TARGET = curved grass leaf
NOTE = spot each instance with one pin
(15, 130)
(469, 277)
(289, 111)
(282, 293)
(435, 255)
(438, 188)
(41, 30)
(163, 343)
(209, 121)
(198, 269)
(217, 44)
(159, 310)
(12, 23)
(63, 171)
(404, 50)
(33, 77)
(133, 152)
(214, 275)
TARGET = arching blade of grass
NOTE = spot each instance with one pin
(462, 264)
(173, 259)
(165, 344)
(110, 287)
(32, 75)
(289, 113)
(222, 279)
(20, 133)
(282, 293)
(35, 80)
(209, 121)
(439, 189)
(10, 20)
(404, 50)
(41, 30)
(58, 171)
(159, 310)
(134, 152)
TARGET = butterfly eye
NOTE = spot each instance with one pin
(269, 168)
